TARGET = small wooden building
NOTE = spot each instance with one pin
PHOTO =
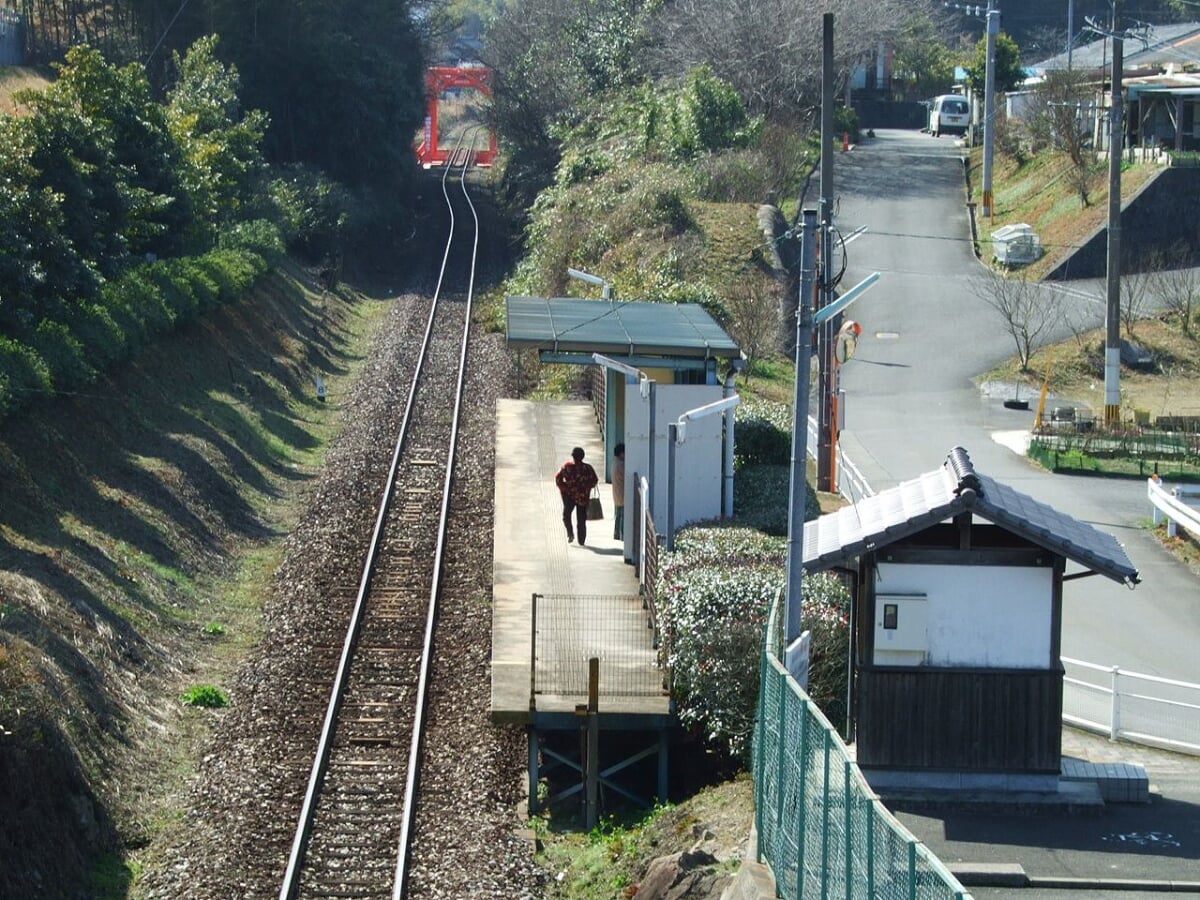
(957, 616)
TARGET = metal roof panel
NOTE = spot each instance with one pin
(561, 324)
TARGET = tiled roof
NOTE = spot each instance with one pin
(1158, 46)
(875, 522)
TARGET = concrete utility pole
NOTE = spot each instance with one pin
(804, 331)
(989, 104)
(1070, 31)
(992, 19)
(1116, 145)
(826, 439)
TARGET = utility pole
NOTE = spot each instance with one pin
(1116, 145)
(992, 20)
(989, 104)
(1070, 31)
(826, 439)
(799, 492)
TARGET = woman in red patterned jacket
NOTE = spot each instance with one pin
(575, 481)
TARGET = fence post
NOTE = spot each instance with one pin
(871, 848)
(1115, 715)
(825, 818)
(847, 826)
(1171, 524)
(533, 652)
(760, 753)
(781, 756)
(802, 817)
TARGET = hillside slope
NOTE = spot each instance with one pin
(16, 78)
(137, 535)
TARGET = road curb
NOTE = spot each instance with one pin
(1013, 875)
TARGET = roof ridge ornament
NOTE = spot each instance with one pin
(963, 470)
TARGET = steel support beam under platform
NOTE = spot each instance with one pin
(544, 761)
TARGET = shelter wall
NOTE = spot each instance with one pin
(994, 617)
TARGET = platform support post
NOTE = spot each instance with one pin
(534, 777)
(592, 765)
(663, 769)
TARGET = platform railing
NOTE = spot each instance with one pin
(568, 630)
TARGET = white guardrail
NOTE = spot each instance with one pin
(1130, 706)
(1172, 505)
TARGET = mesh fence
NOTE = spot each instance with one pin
(820, 826)
(571, 629)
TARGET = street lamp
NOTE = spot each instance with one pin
(606, 287)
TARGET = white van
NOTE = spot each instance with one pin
(949, 114)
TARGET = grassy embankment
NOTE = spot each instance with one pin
(141, 525)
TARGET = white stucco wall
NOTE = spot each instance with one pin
(984, 616)
(697, 459)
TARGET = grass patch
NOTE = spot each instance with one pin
(1039, 193)
(207, 696)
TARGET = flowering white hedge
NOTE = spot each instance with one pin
(718, 587)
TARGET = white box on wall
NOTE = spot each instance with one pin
(901, 629)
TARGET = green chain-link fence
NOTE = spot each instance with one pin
(821, 828)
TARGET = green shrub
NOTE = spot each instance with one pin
(205, 695)
(313, 211)
(762, 434)
(103, 340)
(23, 373)
(137, 306)
(259, 236)
(845, 121)
(63, 354)
(718, 589)
(169, 277)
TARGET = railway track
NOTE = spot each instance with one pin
(355, 828)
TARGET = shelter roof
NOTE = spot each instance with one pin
(913, 506)
(569, 324)
(1161, 45)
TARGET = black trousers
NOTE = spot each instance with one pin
(580, 530)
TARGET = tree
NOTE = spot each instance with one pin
(1177, 284)
(1009, 72)
(1058, 118)
(1029, 318)
(221, 145)
(770, 50)
(923, 65)
(1137, 274)
(552, 58)
(754, 322)
(98, 138)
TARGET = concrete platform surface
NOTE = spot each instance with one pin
(531, 555)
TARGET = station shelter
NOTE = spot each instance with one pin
(957, 618)
(577, 645)
(650, 364)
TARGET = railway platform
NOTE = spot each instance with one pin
(557, 605)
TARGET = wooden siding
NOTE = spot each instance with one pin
(960, 720)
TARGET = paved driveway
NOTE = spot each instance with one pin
(910, 397)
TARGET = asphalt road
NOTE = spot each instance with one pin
(911, 398)
(1153, 845)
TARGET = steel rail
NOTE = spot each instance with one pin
(412, 779)
(294, 870)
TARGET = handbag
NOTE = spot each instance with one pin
(594, 510)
